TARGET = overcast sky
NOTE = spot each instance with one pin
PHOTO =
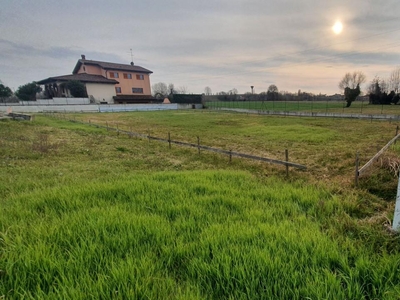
(223, 44)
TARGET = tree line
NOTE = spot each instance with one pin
(28, 92)
(380, 91)
(24, 92)
(161, 90)
(272, 94)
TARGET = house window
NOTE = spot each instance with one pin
(114, 75)
(127, 76)
(140, 77)
(137, 90)
(118, 90)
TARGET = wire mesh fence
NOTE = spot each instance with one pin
(307, 106)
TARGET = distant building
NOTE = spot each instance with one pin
(105, 82)
(336, 97)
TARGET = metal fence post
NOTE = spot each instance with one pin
(396, 218)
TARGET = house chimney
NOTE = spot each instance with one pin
(83, 56)
(132, 63)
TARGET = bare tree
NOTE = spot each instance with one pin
(352, 80)
(373, 87)
(272, 93)
(233, 91)
(171, 89)
(385, 85)
(207, 91)
(273, 88)
(159, 89)
(182, 90)
(394, 80)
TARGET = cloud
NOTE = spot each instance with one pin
(221, 44)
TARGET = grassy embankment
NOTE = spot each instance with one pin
(89, 214)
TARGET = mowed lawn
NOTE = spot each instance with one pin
(88, 214)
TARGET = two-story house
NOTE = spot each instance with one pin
(104, 82)
(133, 81)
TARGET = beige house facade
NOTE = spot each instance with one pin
(133, 81)
(98, 88)
(105, 82)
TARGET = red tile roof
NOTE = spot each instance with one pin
(87, 78)
(110, 66)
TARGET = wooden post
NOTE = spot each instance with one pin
(117, 129)
(107, 125)
(230, 155)
(169, 140)
(287, 160)
(148, 134)
(198, 144)
(357, 173)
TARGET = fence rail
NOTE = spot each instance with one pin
(358, 107)
(370, 117)
(231, 153)
(360, 171)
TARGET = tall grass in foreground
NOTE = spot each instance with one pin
(187, 235)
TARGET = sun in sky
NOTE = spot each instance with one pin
(338, 27)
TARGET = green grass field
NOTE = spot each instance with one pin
(357, 107)
(89, 214)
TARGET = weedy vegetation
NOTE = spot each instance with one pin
(87, 213)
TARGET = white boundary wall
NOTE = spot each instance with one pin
(136, 107)
(88, 108)
(55, 101)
